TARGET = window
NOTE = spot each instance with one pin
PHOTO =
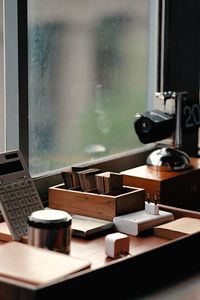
(87, 77)
(76, 74)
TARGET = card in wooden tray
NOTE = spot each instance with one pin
(87, 178)
(35, 265)
(177, 228)
(108, 181)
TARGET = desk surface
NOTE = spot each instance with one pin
(94, 249)
(88, 248)
(154, 270)
(184, 287)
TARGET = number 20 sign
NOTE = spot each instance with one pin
(191, 116)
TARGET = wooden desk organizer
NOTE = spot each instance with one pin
(178, 188)
(92, 204)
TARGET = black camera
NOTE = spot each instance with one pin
(154, 125)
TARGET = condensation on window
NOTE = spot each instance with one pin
(87, 76)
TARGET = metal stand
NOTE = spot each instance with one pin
(171, 158)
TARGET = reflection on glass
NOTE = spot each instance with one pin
(87, 78)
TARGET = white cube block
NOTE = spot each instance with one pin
(116, 244)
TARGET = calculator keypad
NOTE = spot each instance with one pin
(18, 200)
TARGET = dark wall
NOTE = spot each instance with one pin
(182, 57)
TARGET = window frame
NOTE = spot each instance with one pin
(23, 78)
(10, 75)
(2, 90)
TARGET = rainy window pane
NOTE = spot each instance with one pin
(87, 78)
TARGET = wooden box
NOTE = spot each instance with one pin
(177, 188)
(92, 204)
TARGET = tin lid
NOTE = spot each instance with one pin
(47, 218)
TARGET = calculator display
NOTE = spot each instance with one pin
(11, 167)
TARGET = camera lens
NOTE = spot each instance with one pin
(154, 125)
(145, 125)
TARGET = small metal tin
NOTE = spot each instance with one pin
(50, 229)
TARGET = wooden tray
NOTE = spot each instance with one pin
(152, 261)
(92, 204)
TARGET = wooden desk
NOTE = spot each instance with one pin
(153, 263)
(88, 249)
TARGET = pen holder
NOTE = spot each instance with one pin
(93, 204)
(50, 229)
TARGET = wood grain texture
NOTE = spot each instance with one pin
(145, 250)
(179, 188)
(35, 265)
(102, 206)
(177, 228)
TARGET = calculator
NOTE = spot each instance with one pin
(18, 194)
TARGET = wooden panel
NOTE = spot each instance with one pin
(37, 266)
